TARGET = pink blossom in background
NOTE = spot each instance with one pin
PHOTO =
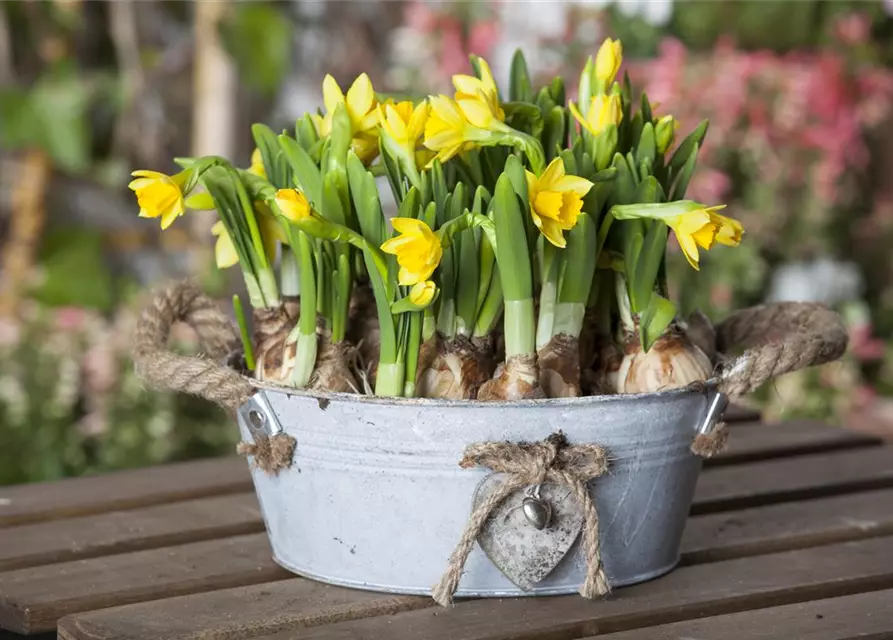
(865, 347)
(482, 38)
(420, 16)
(853, 29)
(70, 318)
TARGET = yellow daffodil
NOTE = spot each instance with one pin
(422, 293)
(694, 224)
(665, 132)
(556, 200)
(478, 98)
(293, 204)
(160, 195)
(448, 131)
(360, 104)
(417, 248)
(257, 164)
(603, 111)
(404, 123)
(607, 61)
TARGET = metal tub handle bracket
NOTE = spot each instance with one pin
(259, 417)
(718, 403)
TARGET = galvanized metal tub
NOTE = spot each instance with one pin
(374, 498)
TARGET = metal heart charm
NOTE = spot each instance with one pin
(524, 553)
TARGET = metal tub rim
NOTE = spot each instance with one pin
(708, 387)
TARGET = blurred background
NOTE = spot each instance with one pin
(799, 95)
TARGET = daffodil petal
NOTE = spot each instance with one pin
(332, 95)
(578, 185)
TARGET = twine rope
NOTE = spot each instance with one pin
(779, 338)
(206, 377)
(551, 460)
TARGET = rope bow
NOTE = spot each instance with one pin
(529, 463)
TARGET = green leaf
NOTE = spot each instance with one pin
(633, 232)
(275, 165)
(332, 209)
(306, 133)
(554, 132)
(440, 192)
(366, 201)
(648, 263)
(512, 252)
(557, 91)
(654, 320)
(340, 139)
(624, 182)
(409, 208)
(649, 191)
(688, 169)
(682, 153)
(520, 88)
(646, 150)
(647, 115)
(580, 259)
(305, 172)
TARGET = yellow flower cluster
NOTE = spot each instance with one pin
(556, 200)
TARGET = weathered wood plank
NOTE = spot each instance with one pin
(32, 600)
(749, 443)
(740, 413)
(688, 593)
(122, 490)
(239, 613)
(858, 616)
(794, 525)
(809, 476)
(133, 530)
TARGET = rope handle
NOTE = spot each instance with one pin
(779, 338)
(206, 377)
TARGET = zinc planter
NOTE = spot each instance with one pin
(368, 492)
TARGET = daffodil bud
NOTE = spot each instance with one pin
(422, 293)
(665, 133)
(292, 204)
(604, 111)
(607, 61)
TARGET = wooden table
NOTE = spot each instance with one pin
(790, 537)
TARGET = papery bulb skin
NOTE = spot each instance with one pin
(517, 378)
(672, 362)
(334, 371)
(453, 368)
(275, 358)
(559, 364)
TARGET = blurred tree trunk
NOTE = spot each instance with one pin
(27, 215)
(213, 110)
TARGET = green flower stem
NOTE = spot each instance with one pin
(577, 273)
(413, 343)
(552, 261)
(623, 304)
(520, 330)
(289, 273)
(429, 323)
(307, 341)
(513, 258)
(390, 380)
(491, 309)
(244, 335)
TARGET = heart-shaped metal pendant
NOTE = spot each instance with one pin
(530, 532)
